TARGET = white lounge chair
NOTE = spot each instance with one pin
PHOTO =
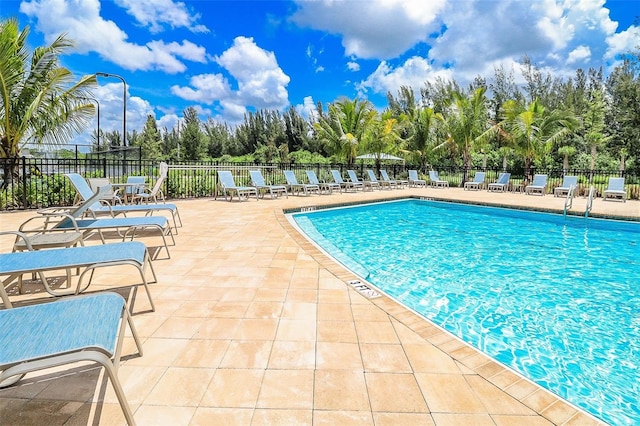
(346, 185)
(380, 183)
(539, 185)
(85, 192)
(477, 183)
(145, 194)
(113, 196)
(501, 185)
(615, 190)
(414, 180)
(87, 328)
(436, 181)
(324, 186)
(229, 187)
(296, 187)
(257, 180)
(569, 184)
(365, 184)
(14, 265)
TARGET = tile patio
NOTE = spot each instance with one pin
(255, 326)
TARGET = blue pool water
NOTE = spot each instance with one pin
(556, 299)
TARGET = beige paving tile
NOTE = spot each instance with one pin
(336, 331)
(164, 415)
(180, 387)
(340, 390)
(393, 392)
(444, 419)
(395, 419)
(343, 418)
(247, 354)
(338, 356)
(286, 389)
(293, 355)
(267, 417)
(449, 393)
(206, 416)
(384, 358)
(223, 390)
(376, 332)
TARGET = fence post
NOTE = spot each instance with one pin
(104, 167)
(24, 182)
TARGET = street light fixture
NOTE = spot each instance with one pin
(97, 103)
(124, 104)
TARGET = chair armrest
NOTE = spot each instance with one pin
(19, 236)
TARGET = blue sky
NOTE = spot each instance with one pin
(228, 57)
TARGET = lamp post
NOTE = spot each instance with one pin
(124, 104)
(98, 104)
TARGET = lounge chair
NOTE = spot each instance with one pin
(257, 180)
(615, 190)
(501, 185)
(346, 185)
(67, 331)
(539, 185)
(14, 265)
(145, 194)
(398, 183)
(112, 197)
(380, 183)
(365, 184)
(229, 187)
(296, 187)
(74, 220)
(414, 180)
(85, 192)
(436, 181)
(569, 184)
(324, 186)
(133, 189)
(477, 183)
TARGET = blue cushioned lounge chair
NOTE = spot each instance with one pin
(436, 181)
(615, 190)
(70, 330)
(346, 185)
(14, 265)
(502, 184)
(229, 187)
(398, 183)
(539, 185)
(96, 208)
(414, 180)
(569, 184)
(380, 183)
(477, 183)
(257, 180)
(365, 184)
(296, 187)
(324, 186)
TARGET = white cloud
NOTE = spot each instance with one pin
(320, 68)
(81, 21)
(353, 66)
(307, 109)
(260, 80)
(156, 13)
(414, 72)
(375, 28)
(623, 42)
(579, 54)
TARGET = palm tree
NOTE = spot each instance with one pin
(344, 126)
(383, 136)
(566, 152)
(423, 126)
(466, 123)
(533, 129)
(39, 102)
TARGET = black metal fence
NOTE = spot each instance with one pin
(31, 183)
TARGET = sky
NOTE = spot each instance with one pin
(226, 58)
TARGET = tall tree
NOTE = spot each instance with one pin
(533, 129)
(344, 126)
(422, 130)
(150, 140)
(383, 137)
(465, 123)
(192, 139)
(40, 103)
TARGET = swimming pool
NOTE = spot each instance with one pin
(556, 299)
